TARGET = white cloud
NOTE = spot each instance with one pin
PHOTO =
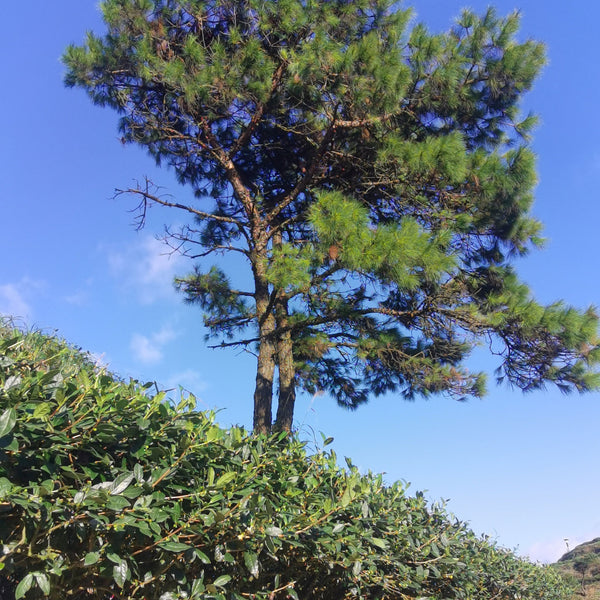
(79, 298)
(146, 266)
(189, 380)
(14, 298)
(550, 551)
(149, 349)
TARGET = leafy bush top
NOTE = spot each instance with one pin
(109, 491)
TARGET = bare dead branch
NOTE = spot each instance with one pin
(148, 197)
(245, 342)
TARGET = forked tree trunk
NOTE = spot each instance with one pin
(263, 393)
(285, 362)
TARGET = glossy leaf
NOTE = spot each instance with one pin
(121, 573)
(222, 581)
(8, 420)
(24, 586)
(175, 546)
(252, 564)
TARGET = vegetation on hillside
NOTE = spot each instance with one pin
(110, 491)
(581, 567)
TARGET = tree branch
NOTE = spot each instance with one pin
(149, 197)
(245, 342)
(240, 191)
(310, 172)
(257, 116)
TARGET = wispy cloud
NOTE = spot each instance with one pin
(190, 380)
(550, 551)
(15, 298)
(79, 298)
(147, 267)
(150, 349)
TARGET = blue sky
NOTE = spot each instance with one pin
(521, 468)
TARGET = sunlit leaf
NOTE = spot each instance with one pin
(91, 558)
(43, 582)
(222, 581)
(121, 573)
(251, 561)
(175, 546)
(24, 586)
(8, 420)
(225, 479)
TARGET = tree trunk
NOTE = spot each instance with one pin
(263, 393)
(285, 361)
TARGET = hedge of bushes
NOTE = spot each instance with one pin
(109, 490)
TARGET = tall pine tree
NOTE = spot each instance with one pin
(375, 177)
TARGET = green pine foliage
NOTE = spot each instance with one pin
(375, 176)
(107, 490)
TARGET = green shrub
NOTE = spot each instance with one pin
(107, 490)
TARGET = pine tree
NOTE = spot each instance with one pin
(375, 177)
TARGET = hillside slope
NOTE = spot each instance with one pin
(110, 491)
(582, 564)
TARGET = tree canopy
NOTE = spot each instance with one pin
(375, 178)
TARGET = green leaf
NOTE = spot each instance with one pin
(8, 420)
(380, 543)
(270, 544)
(138, 472)
(9, 443)
(121, 483)
(222, 581)
(175, 546)
(117, 503)
(251, 561)
(197, 588)
(43, 582)
(203, 557)
(121, 573)
(113, 557)
(225, 479)
(91, 558)
(11, 382)
(346, 497)
(338, 527)
(5, 487)
(42, 410)
(273, 531)
(5, 361)
(24, 586)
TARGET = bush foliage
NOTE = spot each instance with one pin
(108, 490)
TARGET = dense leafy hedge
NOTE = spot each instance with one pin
(106, 489)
